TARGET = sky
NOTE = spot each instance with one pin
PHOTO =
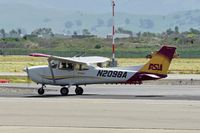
(155, 7)
(32, 13)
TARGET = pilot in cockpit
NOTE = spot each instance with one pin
(70, 66)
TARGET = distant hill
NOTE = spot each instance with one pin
(28, 18)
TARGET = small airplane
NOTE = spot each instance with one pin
(78, 71)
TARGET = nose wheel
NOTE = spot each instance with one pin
(41, 91)
(64, 91)
(79, 91)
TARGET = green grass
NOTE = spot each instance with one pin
(125, 48)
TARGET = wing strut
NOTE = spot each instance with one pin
(52, 74)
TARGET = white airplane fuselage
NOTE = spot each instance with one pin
(94, 75)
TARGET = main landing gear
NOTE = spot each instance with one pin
(79, 90)
(64, 91)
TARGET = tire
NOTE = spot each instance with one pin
(40, 91)
(64, 91)
(79, 91)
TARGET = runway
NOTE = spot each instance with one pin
(102, 108)
(143, 92)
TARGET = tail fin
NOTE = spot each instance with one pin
(160, 62)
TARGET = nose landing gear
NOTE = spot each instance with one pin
(41, 90)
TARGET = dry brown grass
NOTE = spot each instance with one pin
(179, 65)
(18, 63)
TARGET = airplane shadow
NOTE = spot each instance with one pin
(102, 96)
(57, 95)
(98, 96)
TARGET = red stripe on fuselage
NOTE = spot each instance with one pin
(141, 76)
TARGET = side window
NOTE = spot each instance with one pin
(100, 65)
(70, 66)
(83, 67)
(66, 66)
(103, 65)
(62, 65)
(77, 67)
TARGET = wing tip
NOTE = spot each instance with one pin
(39, 55)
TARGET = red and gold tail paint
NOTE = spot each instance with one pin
(156, 68)
(160, 62)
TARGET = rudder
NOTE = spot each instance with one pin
(160, 62)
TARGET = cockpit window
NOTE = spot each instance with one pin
(70, 66)
(66, 66)
(53, 64)
(62, 65)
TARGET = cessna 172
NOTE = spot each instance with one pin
(77, 71)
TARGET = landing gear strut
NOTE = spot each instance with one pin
(64, 91)
(78, 90)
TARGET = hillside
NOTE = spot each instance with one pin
(187, 46)
(28, 18)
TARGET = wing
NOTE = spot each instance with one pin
(77, 60)
(39, 55)
(81, 60)
(65, 59)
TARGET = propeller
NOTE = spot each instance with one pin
(28, 76)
